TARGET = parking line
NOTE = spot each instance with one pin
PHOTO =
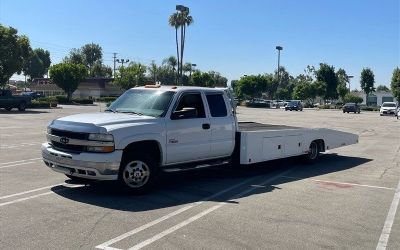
(29, 191)
(18, 164)
(37, 195)
(11, 162)
(105, 245)
(199, 215)
(387, 227)
(340, 183)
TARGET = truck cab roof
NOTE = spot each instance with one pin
(180, 88)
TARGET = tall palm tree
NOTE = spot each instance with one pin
(174, 21)
(185, 20)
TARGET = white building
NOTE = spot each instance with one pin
(376, 98)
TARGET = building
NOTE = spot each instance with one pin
(90, 87)
(376, 98)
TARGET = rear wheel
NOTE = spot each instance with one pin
(22, 106)
(138, 173)
(313, 152)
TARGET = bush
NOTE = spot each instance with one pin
(40, 104)
(82, 101)
(365, 108)
(64, 100)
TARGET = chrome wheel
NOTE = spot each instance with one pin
(136, 174)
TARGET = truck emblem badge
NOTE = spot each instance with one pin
(64, 140)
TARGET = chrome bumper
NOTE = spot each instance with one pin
(97, 166)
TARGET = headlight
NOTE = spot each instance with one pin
(49, 130)
(101, 137)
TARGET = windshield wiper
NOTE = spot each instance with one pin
(110, 110)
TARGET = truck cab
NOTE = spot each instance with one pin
(8, 101)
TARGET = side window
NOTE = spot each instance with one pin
(192, 101)
(217, 105)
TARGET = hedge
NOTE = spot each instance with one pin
(40, 104)
(106, 99)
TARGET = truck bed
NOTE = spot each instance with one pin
(263, 142)
(254, 126)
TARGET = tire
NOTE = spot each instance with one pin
(8, 108)
(22, 106)
(138, 173)
(313, 153)
(344, 111)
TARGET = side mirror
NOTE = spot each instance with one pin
(185, 113)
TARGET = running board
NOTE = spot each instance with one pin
(193, 166)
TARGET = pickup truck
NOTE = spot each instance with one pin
(163, 128)
(8, 101)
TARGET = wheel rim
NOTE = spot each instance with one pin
(313, 151)
(136, 174)
(22, 106)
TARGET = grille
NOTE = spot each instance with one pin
(67, 147)
(69, 134)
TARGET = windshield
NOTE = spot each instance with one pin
(392, 105)
(293, 103)
(143, 102)
(350, 104)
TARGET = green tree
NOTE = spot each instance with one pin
(172, 62)
(319, 88)
(100, 70)
(92, 53)
(15, 50)
(174, 21)
(131, 76)
(367, 82)
(75, 56)
(343, 79)
(352, 98)
(38, 63)
(382, 88)
(67, 76)
(327, 75)
(252, 86)
(153, 71)
(395, 83)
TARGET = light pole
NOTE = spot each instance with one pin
(349, 82)
(122, 61)
(279, 48)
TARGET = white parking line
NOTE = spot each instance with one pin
(38, 195)
(18, 164)
(11, 162)
(106, 245)
(199, 215)
(384, 238)
(29, 191)
(340, 183)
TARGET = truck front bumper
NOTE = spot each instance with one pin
(96, 166)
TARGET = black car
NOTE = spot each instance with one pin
(351, 107)
(294, 105)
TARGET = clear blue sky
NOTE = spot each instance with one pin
(234, 37)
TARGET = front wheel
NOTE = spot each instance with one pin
(138, 173)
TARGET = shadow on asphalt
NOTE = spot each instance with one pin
(192, 186)
(27, 112)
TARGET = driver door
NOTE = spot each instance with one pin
(189, 138)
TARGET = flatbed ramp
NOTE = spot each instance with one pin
(254, 126)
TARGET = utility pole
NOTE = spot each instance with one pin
(114, 59)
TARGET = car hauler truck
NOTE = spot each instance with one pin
(162, 128)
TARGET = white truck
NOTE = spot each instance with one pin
(152, 128)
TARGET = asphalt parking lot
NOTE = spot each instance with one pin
(345, 201)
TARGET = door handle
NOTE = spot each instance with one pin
(205, 126)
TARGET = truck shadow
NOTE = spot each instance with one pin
(193, 186)
(26, 112)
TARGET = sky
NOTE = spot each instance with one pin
(233, 37)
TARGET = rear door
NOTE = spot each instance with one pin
(189, 139)
(222, 125)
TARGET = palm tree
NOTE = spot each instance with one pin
(185, 20)
(174, 21)
(153, 71)
(172, 62)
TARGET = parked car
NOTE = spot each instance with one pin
(8, 101)
(388, 108)
(294, 105)
(351, 107)
(33, 95)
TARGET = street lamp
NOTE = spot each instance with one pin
(122, 61)
(349, 81)
(279, 48)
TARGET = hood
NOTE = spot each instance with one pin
(388, 108)
(98, 122)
